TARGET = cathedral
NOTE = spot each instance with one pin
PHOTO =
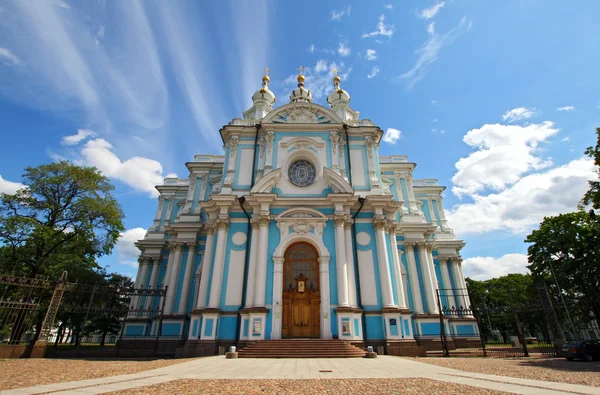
(300, 230)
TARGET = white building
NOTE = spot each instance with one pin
(338, 241)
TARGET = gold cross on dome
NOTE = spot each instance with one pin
(336, 71)
(301, 68)
(267, 71)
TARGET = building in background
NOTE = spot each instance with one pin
(301, 230)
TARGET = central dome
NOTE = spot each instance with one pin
(301, 94)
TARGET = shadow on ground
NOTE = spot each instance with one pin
(563, 365)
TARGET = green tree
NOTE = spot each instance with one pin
(592, 196)
(567, 247)
(64, 219)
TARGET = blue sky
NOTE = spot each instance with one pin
(497, 100)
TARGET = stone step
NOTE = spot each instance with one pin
(301, 348)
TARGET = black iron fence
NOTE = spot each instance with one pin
(511, 328)
(55, 318)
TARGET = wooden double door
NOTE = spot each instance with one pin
(301, 294)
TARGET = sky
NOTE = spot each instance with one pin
(496, 99)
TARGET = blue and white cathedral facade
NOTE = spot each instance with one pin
(300, 230)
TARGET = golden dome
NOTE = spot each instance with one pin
(266, 78)
(300, 78)
(336, 78)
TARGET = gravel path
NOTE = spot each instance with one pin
(299, 387)
(547, 369)
(16, 373)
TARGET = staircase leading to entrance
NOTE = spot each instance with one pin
(301, 348)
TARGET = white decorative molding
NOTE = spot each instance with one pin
(267, 182)
(337, 183)
(307, 113)
(302, 142)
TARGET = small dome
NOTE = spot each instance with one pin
(338, 95)
(300, 94)
(264, 93)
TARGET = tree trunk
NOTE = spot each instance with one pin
(59, 334)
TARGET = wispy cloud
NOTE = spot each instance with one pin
(391, 136)
(430, 50)
(371, 54)
(312, 48)
(389, 7)
(337, 15)
(343, 50)
(517, 114)
(373, 73)
(7, 54)
(81, 135)
(383, 29)
(566, 108)
(432, 11)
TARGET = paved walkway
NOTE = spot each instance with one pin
(381, 367)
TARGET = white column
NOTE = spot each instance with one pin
(460, 280)
(443, 220)
(174, 273)
(428, 279)
(384, 268)
(414, 277)
(250, 288)
(208, 253)
(333, 136)
(269, 137)
(171, 247)
(350, 264)
(447, 283)
(216, 282)
(277, 292)
(397, 270)
(342, 149)
(261, 157)
(434, 220)
(159, 209)
(340, 260)
(187, 278)
(153, 279)
(133, 304)
(325, 299)
(373, 176)
(145, 264)
(260, 279)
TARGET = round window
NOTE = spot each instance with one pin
(302, 173)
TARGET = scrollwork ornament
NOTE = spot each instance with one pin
(380, 223)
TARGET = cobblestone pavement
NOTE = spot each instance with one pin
(17, 373)
(545, 369)
(302, 387)
(382, 374)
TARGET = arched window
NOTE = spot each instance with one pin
(301, 258)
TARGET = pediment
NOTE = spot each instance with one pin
(302, 142)
(302, 113)
(301, 213)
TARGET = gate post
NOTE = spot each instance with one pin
(39, 348)
(442, 326)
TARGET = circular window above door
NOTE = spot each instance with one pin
(302, 173)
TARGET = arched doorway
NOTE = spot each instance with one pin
(301, 299)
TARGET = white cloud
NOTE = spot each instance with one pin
(431, 12)
(430, 50)
(81, 135)
(371, 54)
(343, 50)
(504, 153)
(8, 55)
(434, 102)
(321, 66)
(312, 48)
(389, 7)
(431, 28)
(373, 73)
(142, 174)
(517, 114)
(337, 15)
(391, 135)
(523, 205)
(319, 79)
(9, 186)
(127, 252)
(565, 139)
(383, 29)
(566, 108)
(486, 267)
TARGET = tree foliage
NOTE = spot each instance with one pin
(592, 196)
(567, 247)
(64, 219)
